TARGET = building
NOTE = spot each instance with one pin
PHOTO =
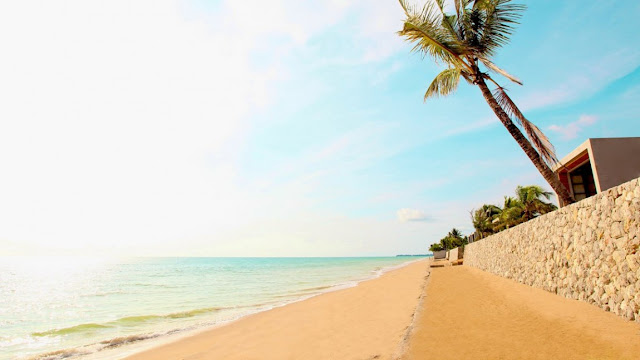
(599, 164)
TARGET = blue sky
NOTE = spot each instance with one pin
(226, 128)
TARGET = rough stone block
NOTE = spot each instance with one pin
(633, 262)
(617, 230)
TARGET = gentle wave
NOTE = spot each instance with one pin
(318, 288)
(115, 342)
(91, 327)
(192, 313)
(125, 321)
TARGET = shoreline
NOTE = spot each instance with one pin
(129, 344)
(363, 297)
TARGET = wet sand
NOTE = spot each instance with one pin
(471, 314)
(369, 321)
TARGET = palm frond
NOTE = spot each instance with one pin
(540, 141)
(480, 4)
(526, 193)
(444, 84)
(500, 16)
(423, 26)
(530, 197)
(546, 194)
(537, 138)
(470, 25)
(425, 14)
(461, 7)
(449, 22)
(493, 67)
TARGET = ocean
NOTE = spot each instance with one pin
(89, 308)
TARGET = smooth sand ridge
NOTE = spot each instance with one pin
(471, 314)
(368, 321)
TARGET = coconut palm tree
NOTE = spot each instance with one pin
(510, 215)
(529, 198)
(453, 240)
(455, 233)
(526, 205)
(485, 220)
(467, 40)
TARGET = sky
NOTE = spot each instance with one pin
(278, 128)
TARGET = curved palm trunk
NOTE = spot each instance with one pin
(543, 168)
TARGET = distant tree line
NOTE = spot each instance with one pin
(453, 240)
(527, 204)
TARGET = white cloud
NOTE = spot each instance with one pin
(407, 215)
(571, 130)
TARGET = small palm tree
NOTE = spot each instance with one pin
(526, 205)
(510, 214)
(530, 199)
(453, 240)
(466, 40)
(484, 220)
(455, 233)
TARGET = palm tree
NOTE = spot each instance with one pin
(466, 40)
(511, 214)
(453, 240)
(484, 220)
(455, 233)
(530, 199)
(526, 205)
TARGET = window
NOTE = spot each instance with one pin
(582, 182)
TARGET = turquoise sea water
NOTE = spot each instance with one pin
(54, 308)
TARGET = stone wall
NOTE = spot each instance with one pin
(588, 251)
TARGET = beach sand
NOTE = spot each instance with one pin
(369, 321)
(471, 314)
(461, 313)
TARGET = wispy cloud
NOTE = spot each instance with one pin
(412, 215)
(548, 97)
(575, 85)
(571, 130)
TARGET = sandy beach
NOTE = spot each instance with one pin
(471, 314)
(368, 321)
(416, 313)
